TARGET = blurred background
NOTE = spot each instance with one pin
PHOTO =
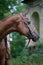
(20, 54)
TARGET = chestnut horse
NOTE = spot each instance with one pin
(18, 23)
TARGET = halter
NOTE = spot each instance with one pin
(21, 15)
(27, 25)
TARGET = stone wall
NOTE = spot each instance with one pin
(36, 16)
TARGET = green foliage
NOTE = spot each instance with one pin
(4, 7)
(25, 59)
(17, 44)
(36, 56)
(5, 3)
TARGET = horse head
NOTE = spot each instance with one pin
(19, 23)
(26, 28)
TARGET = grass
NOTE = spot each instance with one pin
(25, 59)
(18, 61)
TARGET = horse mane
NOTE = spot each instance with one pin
(13, 15)
(7, 17)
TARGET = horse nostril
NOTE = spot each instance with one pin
(37, 37)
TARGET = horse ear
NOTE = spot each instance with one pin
(26, 12)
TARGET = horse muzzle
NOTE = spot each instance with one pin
(35, 38)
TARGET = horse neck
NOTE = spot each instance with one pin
(6, 27)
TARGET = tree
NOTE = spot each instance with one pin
(8, 5)
(17, 44)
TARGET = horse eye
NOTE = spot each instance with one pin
(28, 22)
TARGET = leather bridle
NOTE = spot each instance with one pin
(26, 25)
